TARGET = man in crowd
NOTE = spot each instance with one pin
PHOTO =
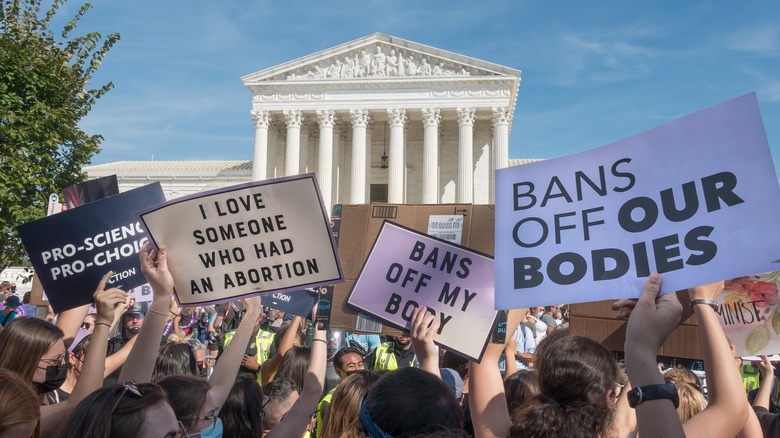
(392, 355)
(346, 361)
(281, 395)
(525, 352)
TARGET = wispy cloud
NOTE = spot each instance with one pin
(760, 40)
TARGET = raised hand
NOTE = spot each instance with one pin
(154, 265)
(106, 300)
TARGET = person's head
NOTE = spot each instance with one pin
(682, 375)
(33, 348)
(77, 355)
(123, 411)
(345, 405)
(578, 383)
(20, 410)
(200, 356)
(409, 402)
(294, 365)
(282, 394)
(550, 340)
(520, 388)
(5, 286)
(347, 361)
(297, 341)
(191, 401)
(132, 320)
(692, 401)
(402, 342)
(174, 359)
(242, 413)
(89, 322)
(12, 302)
(26, 298)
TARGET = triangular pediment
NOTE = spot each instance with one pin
(379, 56)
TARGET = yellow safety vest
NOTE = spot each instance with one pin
(320, 420)
(384, 359)
(749, 376)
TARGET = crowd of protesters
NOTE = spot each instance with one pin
(119, 368)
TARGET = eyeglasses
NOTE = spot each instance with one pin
(86, 325)
(618, 389)
(55, 361)
(128, 387)
(212, 416)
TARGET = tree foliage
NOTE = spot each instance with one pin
(44, 93)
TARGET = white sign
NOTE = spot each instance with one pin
(447, 227)
(265, 236)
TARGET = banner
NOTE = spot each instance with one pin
(298, 303)
(695, 200)
(72, 250)
(749, 313)
(234, 242)
(407, 269)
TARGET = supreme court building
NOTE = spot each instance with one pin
(379, 119)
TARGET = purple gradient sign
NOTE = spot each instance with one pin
(407, 269)
(695, 199)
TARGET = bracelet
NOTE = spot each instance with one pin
(321, 340)
(713, 304)
(104, 323)
(158, 312)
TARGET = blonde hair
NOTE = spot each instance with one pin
(692, 401)
(18, 402)
(343, 419)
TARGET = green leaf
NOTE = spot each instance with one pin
(757, 339)
(776, 322)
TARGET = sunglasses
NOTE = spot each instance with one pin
(86, 325)
(128, 387)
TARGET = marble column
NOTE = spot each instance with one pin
(431, 118)
(357, 193)
(292, 154)
(397, 165)
(501, 119)
(261, 120)
(304, 153)
(464, 190)
(326, 120)
(369, 134)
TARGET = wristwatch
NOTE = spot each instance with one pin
(653, 392)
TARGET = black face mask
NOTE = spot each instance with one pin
(55, 377)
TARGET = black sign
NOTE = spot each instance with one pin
(72, 250)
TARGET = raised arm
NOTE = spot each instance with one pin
(224, 375)
(424, 326)
(727, 407)
(154, 265)
(91, 377)
(70, 321)
(765, 390)
(298, 418)
(487, 402)
(269, 367)
(650, 322)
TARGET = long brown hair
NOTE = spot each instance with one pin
(18, 402)
(187, 395)
(343, 419)
(23, 342)
(575, 374)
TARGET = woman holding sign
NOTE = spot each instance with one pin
(34, 349)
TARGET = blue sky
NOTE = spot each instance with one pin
(593, 72)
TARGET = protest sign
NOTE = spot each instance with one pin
(749, 312)
(298, 303)
(407, 269)
(72, 250)
(88, 191)
(695, 200)
(142, 293)
(234, 242)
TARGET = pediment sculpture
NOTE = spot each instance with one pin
(379, 63)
